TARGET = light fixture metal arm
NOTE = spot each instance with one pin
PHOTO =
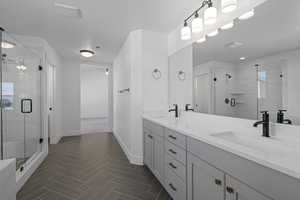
(204, 3)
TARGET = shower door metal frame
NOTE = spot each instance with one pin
(1, 121)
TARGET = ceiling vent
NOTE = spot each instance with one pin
(67, 10)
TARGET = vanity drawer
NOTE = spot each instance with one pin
(176, 152)
(154, 128)
(175, 186)
(176, 138)
(178, 168)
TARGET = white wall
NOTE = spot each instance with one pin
(142, 52)
(181, 92)
(94, 92)
(71, 97)
(96, 99)
(122, 106)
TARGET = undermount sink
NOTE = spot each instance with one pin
(255, 143)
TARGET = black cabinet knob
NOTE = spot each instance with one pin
(172, 151)
(172, 137)
(218, 182)
(230, 190)
(172, 187)
(172, 165)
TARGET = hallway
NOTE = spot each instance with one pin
(90, 167)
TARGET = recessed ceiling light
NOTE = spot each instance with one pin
(87, 53)
(227, 26)
(247, 15)
(234, 44)
(242, 58)
(7, 45)
(213, 33)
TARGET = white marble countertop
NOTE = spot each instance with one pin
(275, 152)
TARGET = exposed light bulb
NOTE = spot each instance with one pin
(21, 67)
(186, 32)
(197, 24)
(228, 5)
(227, 26)
(210, 16)
(247, 15)
(201, 40)
(213, 33)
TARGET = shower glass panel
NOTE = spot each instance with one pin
(20, 101)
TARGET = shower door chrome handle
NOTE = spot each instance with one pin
(23, 101)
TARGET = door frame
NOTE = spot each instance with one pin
(51, 75)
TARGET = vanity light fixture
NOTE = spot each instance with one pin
(247, 15)
(228, 26)
(210, 15)
(228, 5)
(213, 33)
(197, 24)
(87, 53)
(7, 45)
(106, 71)
(186, 32)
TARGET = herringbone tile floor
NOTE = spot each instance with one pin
(90, 167)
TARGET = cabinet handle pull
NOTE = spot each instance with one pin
(172, 151)
(218, 182)
(230, 190)
(172, 137)
(150, 136)
(172, 165)
(172, 187)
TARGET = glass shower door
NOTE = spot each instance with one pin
(20, 102)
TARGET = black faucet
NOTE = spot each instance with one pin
(265, 122)
(187, 107)
(280, 118)
(175, 109)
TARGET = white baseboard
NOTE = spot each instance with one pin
(95, 125)
(55, 139)
(72, 133)
(133, 159)
(29, 169)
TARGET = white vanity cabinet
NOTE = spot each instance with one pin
(192, 169)
(236, 190)
(154, 149)
(204, 181)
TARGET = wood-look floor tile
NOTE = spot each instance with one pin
(90, 167)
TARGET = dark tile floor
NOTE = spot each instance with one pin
(90, 167)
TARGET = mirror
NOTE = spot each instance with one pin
(252, 67)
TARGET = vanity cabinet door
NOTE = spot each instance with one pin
(236, 190)
(204, 181)
(159, 158)
(149, 150)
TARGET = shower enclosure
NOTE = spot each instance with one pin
(20, 102)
